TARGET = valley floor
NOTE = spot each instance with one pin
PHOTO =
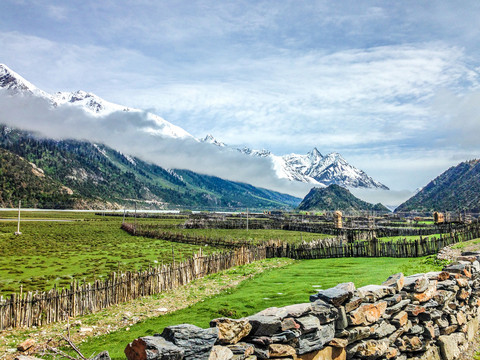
(234, 293)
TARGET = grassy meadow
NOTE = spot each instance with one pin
(85, 246)
(278, 287)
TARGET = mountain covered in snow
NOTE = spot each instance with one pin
(91, 103)
(313, 168)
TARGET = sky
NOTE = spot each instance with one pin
(393, 86)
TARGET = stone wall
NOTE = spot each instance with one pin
(424, 316)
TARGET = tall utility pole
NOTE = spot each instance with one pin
(135, 226)
(247, 219)
(123, 221)
(18, 225)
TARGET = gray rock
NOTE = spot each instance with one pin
(431, 304)
(397, 307)
(417, 283)
(342, 319)
(446, 284)
(394, 299)
(336, 295)
(315, 340)
(357, 333)
(442, 322)
(411, 343)
(298, 310)
(102, 356)
(433, 275)
(286, 336)
(397, 281)
(242, 348)
(274, 311)
(383, 329)
(324, 312)
(457, 268)
(265, 324)
(262, 352)
(432, 353)
(416, 329)
(449, 345)
(368, 349)
(196, 342)
(309, 323)
(153, 348)
(372, 293)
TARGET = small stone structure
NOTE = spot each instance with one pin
(423, 316)
(337, 219)
(438, 217)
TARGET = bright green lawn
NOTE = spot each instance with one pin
(289, 285)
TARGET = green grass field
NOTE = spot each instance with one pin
(284, 286)
(408, 238)
(90, 246)
(254, 236)
(49, 253)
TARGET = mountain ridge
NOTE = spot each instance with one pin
(335, 197)
(98, 175)
(313, 168)
(456, 189)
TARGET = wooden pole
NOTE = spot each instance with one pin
(18, 225)
(135, 227)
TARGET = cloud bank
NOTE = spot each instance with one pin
(130, 133)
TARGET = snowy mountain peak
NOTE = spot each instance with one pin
(91, 103)
(315, 155)
(209, 139)
(259, 153)
(317, 169)
(16, 84)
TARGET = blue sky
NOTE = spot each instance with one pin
(391, 85)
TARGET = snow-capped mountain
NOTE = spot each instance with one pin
(209, 139)
(89, 102)
(314, 168)
(325, 170)
(311, 168)
(16, 84)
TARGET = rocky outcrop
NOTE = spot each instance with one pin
(423, 316)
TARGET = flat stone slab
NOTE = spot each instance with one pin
(373, 293)
(336, 295)
(196, 342)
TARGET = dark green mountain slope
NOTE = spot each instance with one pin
(99, 174)
(456, 189)
(335, 197)
(21, 180)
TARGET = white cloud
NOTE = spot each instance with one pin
(58, 13)
(349, 76)
(130, 133)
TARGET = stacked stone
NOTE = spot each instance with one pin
(424, 316)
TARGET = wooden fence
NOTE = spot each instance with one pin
(156, 232)
(41, 308)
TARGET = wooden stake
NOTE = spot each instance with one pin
(18, 225)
